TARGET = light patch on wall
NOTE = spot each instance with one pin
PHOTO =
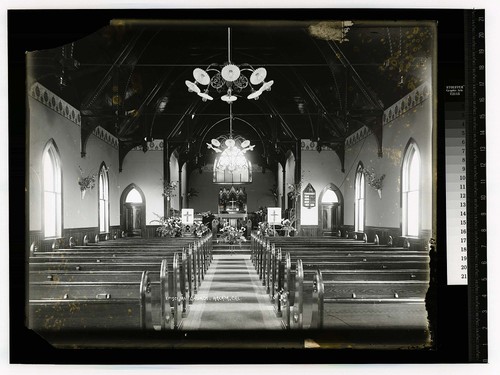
(394, 155)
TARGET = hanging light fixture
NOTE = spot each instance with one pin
(232, 150)
(229, 80)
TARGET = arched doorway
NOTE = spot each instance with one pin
(331, 208)
(133, 211)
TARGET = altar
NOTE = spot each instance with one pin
(233, 206)
(234, 219)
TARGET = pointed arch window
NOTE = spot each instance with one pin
(359, 200)
(411, 191)
(133, 196)
(329, 197)
(241, 172)
(52, 191)
(103, 199)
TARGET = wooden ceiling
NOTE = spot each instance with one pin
(330, 78)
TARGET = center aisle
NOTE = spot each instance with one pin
(231, 297)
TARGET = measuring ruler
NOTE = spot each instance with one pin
(476, 188)
(465, 152)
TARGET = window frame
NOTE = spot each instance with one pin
(103, 179)
(359, 202)
(52, 152)
(411, 151)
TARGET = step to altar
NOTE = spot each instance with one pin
(223, 248)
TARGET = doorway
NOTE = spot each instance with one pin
(330, 210)
(133, 212)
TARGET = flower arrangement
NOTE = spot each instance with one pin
(169, 189)
(374, 182)
(199, 229)
(265, 229)
(287, 226)
(169, 226)
(295, 190)
(231, 235)
(173, 227)
(86, 182)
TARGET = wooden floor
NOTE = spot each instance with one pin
(231, 297)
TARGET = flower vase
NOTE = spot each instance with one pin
(379, 191)
(82, 192)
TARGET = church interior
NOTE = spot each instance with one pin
(234, 175)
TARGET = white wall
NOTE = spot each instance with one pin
(318, 169)
(145, 169)
(45, 124)
(386, 212)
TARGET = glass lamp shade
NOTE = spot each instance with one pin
(205, 96)
(192, 87)
(267, 86)
(201, 76)
(258, 76)
(229, 98)
(254, 95)
(230, 73)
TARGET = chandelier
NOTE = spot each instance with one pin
(232, 150)
(229, 79)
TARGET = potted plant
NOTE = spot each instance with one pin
(287, 226)
(86, 182)
(169, 226)
(373, 181)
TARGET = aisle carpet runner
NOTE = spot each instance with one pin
(231, 297)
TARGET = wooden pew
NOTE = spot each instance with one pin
(365, 282)
(273, 271)
(354, 265)
(401, 297)
(130, 311)
(192, 266)
(172, 280)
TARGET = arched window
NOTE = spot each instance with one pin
(133, 196)
(52, 188)
(359, 200)
(230, 172)
(329, 196)
(103, 199)
(411, 190)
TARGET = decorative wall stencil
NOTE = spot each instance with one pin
(357, 136)
(52, 101)
(408, 102)
(106, 136)
(154, 145)
(309, 145)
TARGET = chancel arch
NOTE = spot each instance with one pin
(133, 211)
(331, 210)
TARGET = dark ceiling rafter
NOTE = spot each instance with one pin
(376, 124)
(324, 90)
(126, 57)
